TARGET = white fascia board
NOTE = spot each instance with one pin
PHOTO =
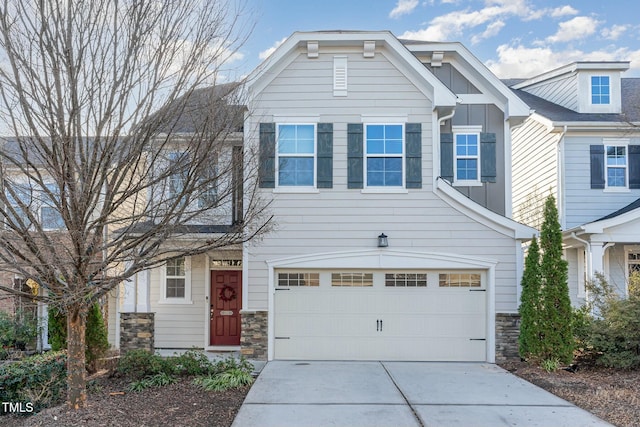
(515, 106)
(278, 60)
(479, 213)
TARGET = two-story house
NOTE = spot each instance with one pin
(388, 167)
(581, 144)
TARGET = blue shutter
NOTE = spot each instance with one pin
(446, 156)
(597, 166)
(634, 166)
(355, 156)
(488, 157)
(267, 166)
(413, 155)
(325, 155)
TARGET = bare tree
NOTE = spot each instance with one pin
(120, 142)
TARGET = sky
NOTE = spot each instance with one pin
(514, 38)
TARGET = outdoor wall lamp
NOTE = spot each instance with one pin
(383, 242)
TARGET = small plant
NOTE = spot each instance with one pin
(550, 365)
(139, 364)
(140, 385)
(193, 362)
(228, 373)
(162, 379)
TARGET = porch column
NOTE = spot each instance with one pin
(597, 259)
(135, 298)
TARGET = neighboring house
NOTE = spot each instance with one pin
(191, 301)
(582, 145)
(388, 167)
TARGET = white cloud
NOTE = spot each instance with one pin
(614, 32)
(522, 61)
(574, 29)
(492, 30)
(267, 53)
(563, 11)
(403, 7)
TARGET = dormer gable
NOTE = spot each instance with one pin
(584, 87)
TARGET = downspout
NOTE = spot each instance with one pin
(436, 147)
(588, 260)
(560, 189)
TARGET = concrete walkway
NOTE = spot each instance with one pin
(401, 394)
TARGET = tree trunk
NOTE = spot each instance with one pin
(76, 372)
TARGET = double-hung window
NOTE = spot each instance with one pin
(50, 215)
(467, 156)
(175, 278)
(600, 90)
(616, 162)
(20, 204)
(296, 154)
(176, 163)
(384, 155)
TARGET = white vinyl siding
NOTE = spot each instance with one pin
(343, 219)
(562, 90)
(584, 204)
(535, 171)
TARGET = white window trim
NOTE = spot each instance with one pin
(381, 188)
(466, 130)
(616, 142)
(297, 188)
(187, 285)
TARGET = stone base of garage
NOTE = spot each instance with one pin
(254, 336)
(507, 332)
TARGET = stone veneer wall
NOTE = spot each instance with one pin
(253, 338)
(507, 332)
(137, 331)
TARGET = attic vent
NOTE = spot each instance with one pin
(369, 49)
(312, 49)
(436, 59)
(339, 76)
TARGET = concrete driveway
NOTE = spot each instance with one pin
(401, 394)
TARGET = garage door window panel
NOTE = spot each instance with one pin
(287, 280)
(352, 279)
(405, 280)
(460, 280)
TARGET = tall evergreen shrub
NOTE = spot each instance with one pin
(557, 334)
(529, 341)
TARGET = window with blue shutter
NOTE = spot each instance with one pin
(446, 156)
(634, 166)
(413, 155)
(325, 155)
(597, 166)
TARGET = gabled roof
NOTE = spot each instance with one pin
(516, 107)
(285, 53)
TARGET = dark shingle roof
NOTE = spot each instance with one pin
(630, 105)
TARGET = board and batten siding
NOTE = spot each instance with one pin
(342, 219)
(535, 171)
(582, 203)
(180, 325)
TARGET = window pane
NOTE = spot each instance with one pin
(175, 288)
(600, 90)
(384, 171)
(467, 145)
(405, 279)
(467, 169)
(175, 267)
(51, 218)
(352, 279)
(298, 279)
(459, 280)
(616, 156)
(295, 171)
(616, 177)
(296, 139)
(375, 146)
(375, 131)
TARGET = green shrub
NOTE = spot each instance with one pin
(193, 362)
(226, 374)
(138, 364)
(18, 331)
(39, 379)
(233, 378)
(612, 335)
(96, 334)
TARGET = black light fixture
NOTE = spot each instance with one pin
(383, 242)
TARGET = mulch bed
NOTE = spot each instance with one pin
(179, 404)
(611, 395)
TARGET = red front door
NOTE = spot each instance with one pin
(226, 302)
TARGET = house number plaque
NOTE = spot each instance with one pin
(226, 313)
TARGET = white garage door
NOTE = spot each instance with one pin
(351, 315)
